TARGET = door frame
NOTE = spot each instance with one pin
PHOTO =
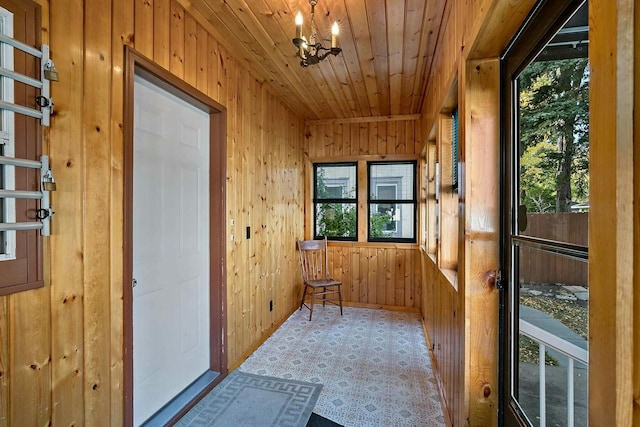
(546, 17)
(137, 64)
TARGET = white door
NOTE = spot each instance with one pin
(170, 247)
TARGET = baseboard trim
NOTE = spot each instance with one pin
(382, 307)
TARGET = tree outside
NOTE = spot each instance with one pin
(554, 134)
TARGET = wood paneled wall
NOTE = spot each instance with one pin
(61, 346)
(335, 140)
(461, 312)
(614, 244)
(472, 37)
(372, 274)
(383, 275)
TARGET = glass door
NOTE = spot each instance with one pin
(544, 357)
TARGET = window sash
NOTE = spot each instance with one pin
(348, 204)
(412, 202)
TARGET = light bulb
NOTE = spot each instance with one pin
(335, 30)
(299, 25)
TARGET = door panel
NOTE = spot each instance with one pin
(544, 348)
(171, 312)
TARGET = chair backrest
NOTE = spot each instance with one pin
(314, 260)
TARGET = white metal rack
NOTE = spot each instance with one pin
(45, 104)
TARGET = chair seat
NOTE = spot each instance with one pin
(322, 283)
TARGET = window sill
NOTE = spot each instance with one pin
(379, 245)
(451, 277)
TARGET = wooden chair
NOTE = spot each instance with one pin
(314, 262)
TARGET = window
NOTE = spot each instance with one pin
(335, 201)
(20, 251)
(392, 201)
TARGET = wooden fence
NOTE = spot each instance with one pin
(538, 266)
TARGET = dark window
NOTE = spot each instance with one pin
(335, 194)
(392, 201)
(20, 251)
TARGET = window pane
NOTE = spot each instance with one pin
(335, 181)
(553, 117)
(393, 179)
(336, 220)
(392, 221)
(554, 319)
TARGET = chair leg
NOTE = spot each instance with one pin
(340, 298)
(313, 300)
(304, 293)
(324, 297)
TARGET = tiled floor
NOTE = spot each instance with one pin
(374, 365)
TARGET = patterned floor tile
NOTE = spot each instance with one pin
(374, 365)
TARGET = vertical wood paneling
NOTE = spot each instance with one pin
(30, 363)
(97, 162)
(612, 30)
(363, 139)
(67, 159)
(391, 137)
(202, 63)
(144, 27)
(355, 139)
(161, 20)
(337, 139)
(190, 53)
(61, 360)
(401, 141)
(383, 276)
(390, 276)
(177, 39)
(212, 68)
(382, 138)
(122, 33)
(399, 266)
(373, 138)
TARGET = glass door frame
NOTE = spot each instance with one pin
(545, 19)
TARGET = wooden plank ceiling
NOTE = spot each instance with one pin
(387, 51)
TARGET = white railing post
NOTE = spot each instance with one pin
(545, 339)
(570, 396)
(543, 388)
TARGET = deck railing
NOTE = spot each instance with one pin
(546, 340)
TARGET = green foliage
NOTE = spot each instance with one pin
(554, 134)
(336, 220)
(378, 224)
(537, 184)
